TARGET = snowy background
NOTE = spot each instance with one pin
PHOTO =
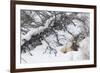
(54, 36)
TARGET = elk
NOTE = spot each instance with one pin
(70, 46)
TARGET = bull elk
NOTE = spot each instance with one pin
(70, 46)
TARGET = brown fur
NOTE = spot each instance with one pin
(65, 50)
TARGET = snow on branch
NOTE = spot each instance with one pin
(35, 31)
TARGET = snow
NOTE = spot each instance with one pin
(77, 23)
(37, 18)
(34, 31)
(40, 57)
(74, 29)
(39, 54)
(85, 47)
(64, 36)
